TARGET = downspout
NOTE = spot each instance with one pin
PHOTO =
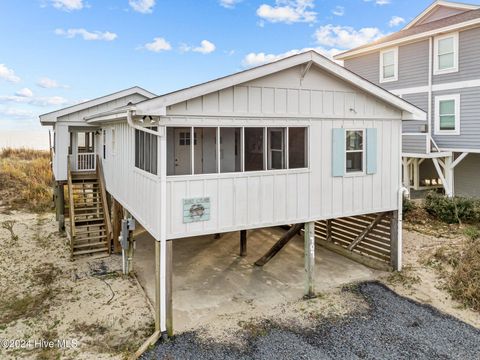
(430, 70)
(401, 193)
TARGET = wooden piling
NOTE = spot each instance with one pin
(243, 243)
(395, 247)
(309, 243)
(60, 206)
(117, 216)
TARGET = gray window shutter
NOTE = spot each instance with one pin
(372, 151)
(338, 152)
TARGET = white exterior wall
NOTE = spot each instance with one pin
(62, 137)
(266, 198)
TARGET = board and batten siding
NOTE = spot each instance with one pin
(268, 198)
(137, 190)
(62, 138)
(285, 95)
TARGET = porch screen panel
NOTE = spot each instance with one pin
(146, 151)
(230, 149)
(297, 148)
(254, 149)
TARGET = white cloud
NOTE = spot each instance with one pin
(255, 59)
(338, 11)
(379, 2)
(25, 92)
(158, 44)
(142, 6)
(206, 47)
(34, 100)
(395, 21)
(48, 83)
(87, 35)
(229, 4)
(8, 74)
(15, 112)
(68, 5)
(345, 37)
(288, 11)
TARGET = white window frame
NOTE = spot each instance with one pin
(436, 63)
(456, 99)
(395, 63)
(363, 151)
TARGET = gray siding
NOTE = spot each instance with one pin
(367, 66)
(468, 59)
(469, 137)
(420, 100)
(412, 66)
(414, 144)
(467, 177)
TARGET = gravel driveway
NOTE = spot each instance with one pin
(393, 328)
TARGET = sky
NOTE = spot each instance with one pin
(56, 53)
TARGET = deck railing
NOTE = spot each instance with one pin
(86, 162)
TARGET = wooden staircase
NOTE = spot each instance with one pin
(90, 226)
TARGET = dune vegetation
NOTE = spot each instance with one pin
(25, 180)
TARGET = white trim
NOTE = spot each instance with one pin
(407, 39)
(148, 107)
(436, 64)
(458, 160)
(395, 65)
(475, 151)
(363, 151)
(456, 99)
(51, 117)
(436, 4)
(438, 87)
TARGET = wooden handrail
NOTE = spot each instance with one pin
(101, 181)
(71, 204)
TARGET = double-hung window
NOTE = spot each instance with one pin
(389, 65)
(354, 151)
(446, 54)
(447, 115)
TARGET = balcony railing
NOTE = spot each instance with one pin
(86, 162)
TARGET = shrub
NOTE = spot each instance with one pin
(408, 205)
(464, 283)
(451, 210)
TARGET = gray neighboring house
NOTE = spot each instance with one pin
(434, 63)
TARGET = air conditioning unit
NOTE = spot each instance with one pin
(423, 128)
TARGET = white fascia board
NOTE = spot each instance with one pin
(439, 3)
(408, 39)
(158, 105)
(51, 117)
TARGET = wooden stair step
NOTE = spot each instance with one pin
(80, 208)
(86, 227)
(83, 252)
(96, 237)
(88, 220)
(93, 244)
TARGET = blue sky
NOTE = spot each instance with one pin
(56, 53)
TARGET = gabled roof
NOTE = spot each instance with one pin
(51, 117)
(157, 105)
(466, 19)
(435, 6)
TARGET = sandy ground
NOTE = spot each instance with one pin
(422, 282)
(45, 296)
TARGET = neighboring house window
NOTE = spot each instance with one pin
(446, 54)
(389, 65)
(354, 151)
(146, 150)
(447, 115)
(104, 142)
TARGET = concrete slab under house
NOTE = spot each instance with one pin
(298, 146)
